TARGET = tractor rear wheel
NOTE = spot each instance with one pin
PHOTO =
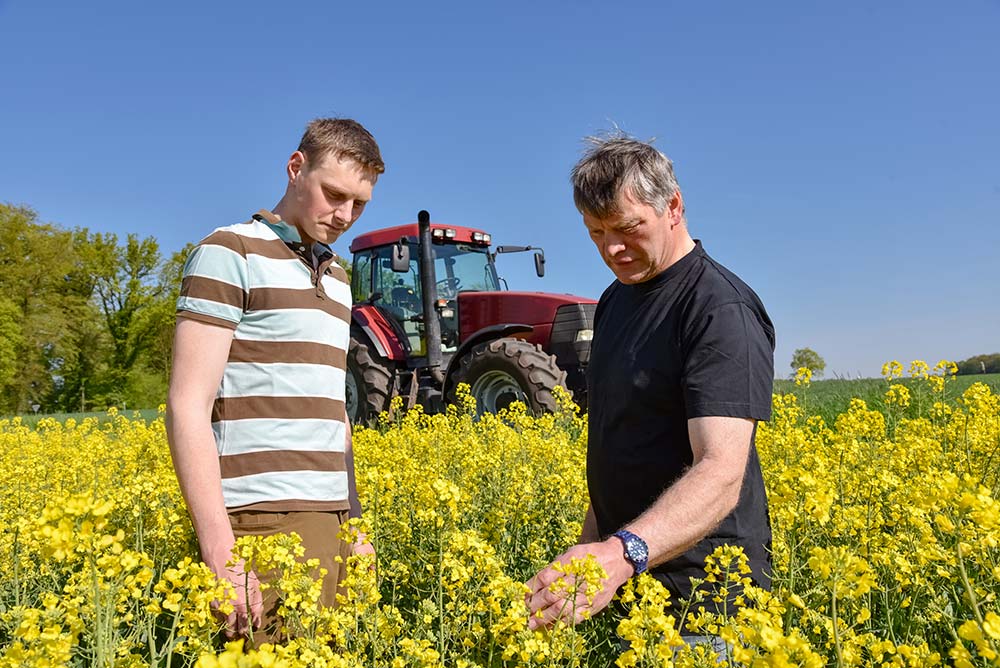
(503, 371)
(369, 383)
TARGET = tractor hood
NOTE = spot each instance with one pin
(477, 310)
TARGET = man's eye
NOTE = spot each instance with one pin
(595, 233)
(629, 229)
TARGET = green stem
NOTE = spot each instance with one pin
(836, 631)
(17, 567)
(440, 596)
(971, 593)
(170, 639)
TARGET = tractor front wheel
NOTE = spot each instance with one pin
(369, 383)
(503, 371)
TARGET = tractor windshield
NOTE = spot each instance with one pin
(461, 267)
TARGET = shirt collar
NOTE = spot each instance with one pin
(678, 268)
(320, 252)
(287, 233)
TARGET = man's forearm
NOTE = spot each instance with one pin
(687, 511)
(196, 463)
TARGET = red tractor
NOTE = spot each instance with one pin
(430, 313)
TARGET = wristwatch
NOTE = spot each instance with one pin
(636, 550)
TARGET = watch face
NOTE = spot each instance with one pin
(636, 550)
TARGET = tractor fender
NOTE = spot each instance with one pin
(481, 336)
(379, 330)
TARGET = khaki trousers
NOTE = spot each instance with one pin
(318, 531)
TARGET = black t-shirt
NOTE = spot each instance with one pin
(694, 341)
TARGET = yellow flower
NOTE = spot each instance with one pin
(874, 528)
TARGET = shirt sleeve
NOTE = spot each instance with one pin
(728, 365)
(216, 281)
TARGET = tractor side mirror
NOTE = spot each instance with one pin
(401, 257)
(539, 256)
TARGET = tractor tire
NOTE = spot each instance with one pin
(369, 383)
(502, 371)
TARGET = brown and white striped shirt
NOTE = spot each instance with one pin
(279, 416)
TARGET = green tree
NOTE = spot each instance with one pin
(36, 262)
(124, 289)
(86, 321)
(11, 339)
(810, 359)
(149, 377)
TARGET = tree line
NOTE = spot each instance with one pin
(979, 364)
(86, 318)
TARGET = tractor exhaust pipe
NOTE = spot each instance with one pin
(428, 281)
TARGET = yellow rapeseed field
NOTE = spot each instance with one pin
(886, 550)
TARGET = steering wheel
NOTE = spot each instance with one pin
(448, 287)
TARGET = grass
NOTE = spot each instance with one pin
(830, 398)
(827, 398)
(31, 419)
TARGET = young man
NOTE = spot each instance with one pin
(683, 357)
(255, 416)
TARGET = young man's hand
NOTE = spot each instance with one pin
(248, 606)
(363, 546)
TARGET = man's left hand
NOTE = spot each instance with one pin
(546, 606)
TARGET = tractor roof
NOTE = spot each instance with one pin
(390, 235)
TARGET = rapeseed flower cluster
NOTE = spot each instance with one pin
(886, 547)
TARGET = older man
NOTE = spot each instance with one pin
(680, 371)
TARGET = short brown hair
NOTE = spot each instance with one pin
(342, 138)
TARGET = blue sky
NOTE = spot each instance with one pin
(843, 159)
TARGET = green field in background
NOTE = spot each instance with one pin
(827, 398)
(32, 419)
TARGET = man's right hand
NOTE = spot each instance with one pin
(248, 606)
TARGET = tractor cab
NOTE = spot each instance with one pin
(430, 313)
(459, 266)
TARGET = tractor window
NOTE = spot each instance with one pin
(461, 267)
(361, 277)
(399, 295)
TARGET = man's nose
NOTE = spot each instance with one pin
(343, 212)
(613, 245)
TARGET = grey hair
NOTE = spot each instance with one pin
(616, 163)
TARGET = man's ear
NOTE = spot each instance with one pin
(676, 208)
(295, 165)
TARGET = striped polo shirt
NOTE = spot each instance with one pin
(279, 416)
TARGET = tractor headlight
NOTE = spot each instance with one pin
(584, 335)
